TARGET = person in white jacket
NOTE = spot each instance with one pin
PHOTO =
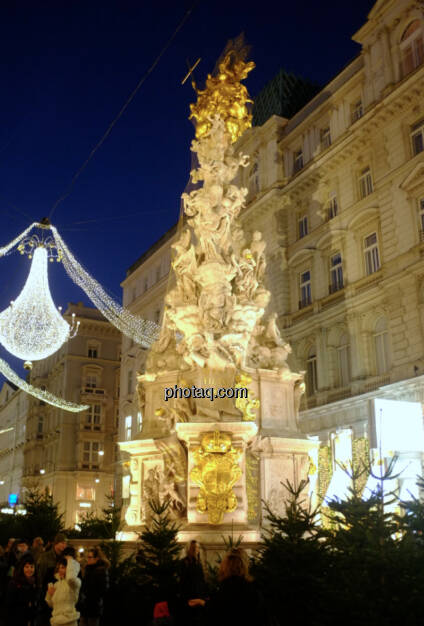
(63, 595)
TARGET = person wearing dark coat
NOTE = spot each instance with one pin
(191, 585)
(95, 584)
(237, 600)
(22, 594)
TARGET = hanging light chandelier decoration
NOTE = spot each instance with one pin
(32, 328)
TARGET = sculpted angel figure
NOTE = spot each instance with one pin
(257, 248)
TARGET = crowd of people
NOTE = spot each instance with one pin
(51, 585)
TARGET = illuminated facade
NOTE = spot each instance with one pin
(338, 192)
(72, 454)
(13, 418)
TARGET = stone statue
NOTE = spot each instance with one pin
(268, 350)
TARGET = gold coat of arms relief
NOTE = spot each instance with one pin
(216, 471)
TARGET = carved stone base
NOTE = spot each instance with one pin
(144, 458)
(278, 392)
(283, 459)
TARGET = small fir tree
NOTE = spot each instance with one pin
(292, 564)
(158, 558)
(42, 515)
(372, 557)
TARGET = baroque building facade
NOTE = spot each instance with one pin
(338, 192)
(14, 405)
(73, 455)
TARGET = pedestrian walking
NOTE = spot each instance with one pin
(95, 584)
(62, 596)
(22, 594)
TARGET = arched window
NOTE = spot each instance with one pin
(343, 360)
(311, 372)
(381, 346)
(412, 47)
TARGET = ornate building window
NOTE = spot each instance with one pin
(365, 183)
(343, 354)
(333, 207)
(91, 380)
(145, 284)
(381, 346)
(412, 47)
(85, 493)
(40, 426)
(297, 161)
(305, 289)
(93, 417)
(93, 349)
(311, 372)
(336, 272)
(302, 226)
(417, 138)
(90, 455)
(357, 111)
(325, 138)
(91, 376)
(129, 382)
(421, 210)
(371, 254)
(156, 316)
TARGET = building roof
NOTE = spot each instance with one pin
(284, 95)
(158, 244)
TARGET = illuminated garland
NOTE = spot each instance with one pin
(46, 396)
(142, 331)
(6, 249)
(32, 328)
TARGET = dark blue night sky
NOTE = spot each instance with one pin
(68, 67)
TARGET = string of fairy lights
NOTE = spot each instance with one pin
(32, 327)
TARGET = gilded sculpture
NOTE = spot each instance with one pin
(216, 471)
(224, 96)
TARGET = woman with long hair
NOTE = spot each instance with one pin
(95, 584)
(62, 596)
(22, 594)
(236, 601)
